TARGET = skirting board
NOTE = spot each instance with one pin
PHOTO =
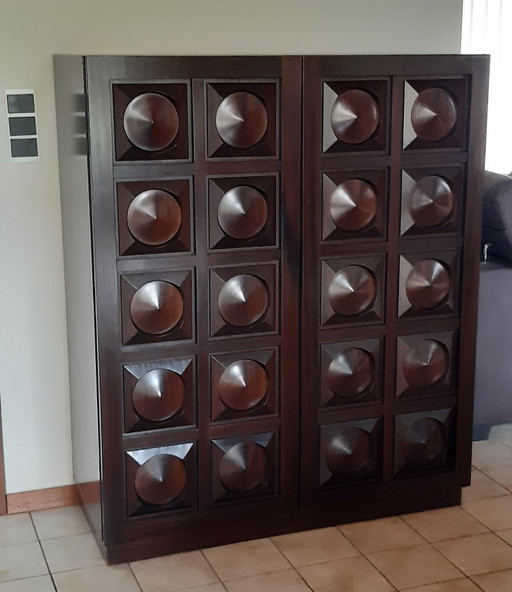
(42, 499)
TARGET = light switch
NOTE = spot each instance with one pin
(22, 125)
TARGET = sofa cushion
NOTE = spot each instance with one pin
(497, 214)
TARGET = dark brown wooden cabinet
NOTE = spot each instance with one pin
(271, 278)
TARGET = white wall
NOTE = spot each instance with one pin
(33, 364)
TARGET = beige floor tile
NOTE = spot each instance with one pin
(277, 581)
(414, 566)
(115, 578)
(208, 588)
(16, 529)
(381, 535)
(314, 546)
(507, 442)
(501, 431)
(491, 453)
(345, 575)
(60, 522)
(477, 554)
(445, 523)
(502, 475)
(21, 561)
(246, 559)
(495, 513)
(72, 552)
(481, 488)
(464, 585)
(506, 535)
(38, 584)
(500, 581)
(173, 572)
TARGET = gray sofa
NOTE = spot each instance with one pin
(493, 371)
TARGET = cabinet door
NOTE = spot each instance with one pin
(392, 146)
(196, 214)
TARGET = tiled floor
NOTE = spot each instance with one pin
(460, 549)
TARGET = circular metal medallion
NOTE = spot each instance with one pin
(352, 290)
(353, 205)
(244, 467)
(430, 201)
(161, 479)
(423, 441)
(156, 307)
(154, 217)
(243, 385)
(242, 212)
(243, 300)
(425, 364)
(354, 116)
(433, 114)
(158, 395)
(351, 372)
(350, 453)
(241, 120)
(428, 284)
(151, 122)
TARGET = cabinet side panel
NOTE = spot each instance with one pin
(74, 186)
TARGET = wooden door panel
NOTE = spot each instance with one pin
(152, 121)
(432, 200)
(243, 211)
(242, 119)
(424, 442)
(154, 216)
(386, 237)
(354, 205)
(355, 115)
(350, 452)
(203, 261)
(160, 394)
(435, 114)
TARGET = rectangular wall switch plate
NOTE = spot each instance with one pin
(22, 125)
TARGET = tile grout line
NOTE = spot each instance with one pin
(44, 554)
(290, 565)
(509, 491)
(134, 576)
(368, 559)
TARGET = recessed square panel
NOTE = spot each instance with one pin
(242, 119)
(435, 114)
(350, 452)
(243, 384)
(243, 299)
(152, 121)
(154, 216)
(352, 290)
(432, 200)
(428, 284)
(157, 307)
(161, 479)
(351, 372)
(244, 467)
(354, 205)
(243, 211)
(159, 394)
(355, 115)
(425, 364)
(424, 442)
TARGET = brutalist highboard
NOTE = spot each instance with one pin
(271, 275)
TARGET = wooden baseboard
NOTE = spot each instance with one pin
(42, 499)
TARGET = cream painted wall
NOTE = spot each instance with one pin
(33, 362)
